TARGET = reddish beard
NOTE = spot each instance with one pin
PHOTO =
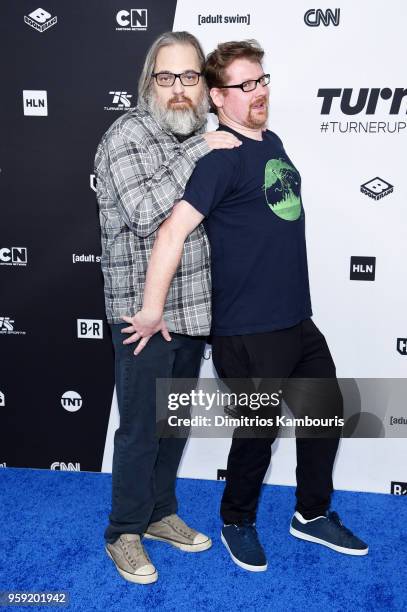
(183, 103)
(252, 120)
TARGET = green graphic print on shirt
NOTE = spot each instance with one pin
(281, 188)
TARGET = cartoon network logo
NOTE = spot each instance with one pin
(132, 20)
(13, 256)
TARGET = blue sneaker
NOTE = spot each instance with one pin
(329, 531)
(244, 547)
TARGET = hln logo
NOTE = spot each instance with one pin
(66, 467)
(71, 401)
(221, 475)
(35, 103)
(399, 488)
(90, 328)
(314, 17)
(363, 268)
(13, 256)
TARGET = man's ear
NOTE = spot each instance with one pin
(217, 95)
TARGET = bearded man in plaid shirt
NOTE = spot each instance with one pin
(142, 165)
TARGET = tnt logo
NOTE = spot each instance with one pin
(90, 328)
(402, 346)
(35, 103)
(314, 17)
(399, 488)
(133, 20)
(13, 256)
(40, 20)
(376, 188)
(221, 475)
(2, 399)
(71, 401)
(66, 467)
(121, 98)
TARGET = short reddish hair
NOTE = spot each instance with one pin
(218, 61)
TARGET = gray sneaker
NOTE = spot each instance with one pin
(131, 560)
(173, 530)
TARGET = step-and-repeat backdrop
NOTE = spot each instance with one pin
(338, 99)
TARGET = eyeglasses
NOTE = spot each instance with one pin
(167, 79)
(250, 85)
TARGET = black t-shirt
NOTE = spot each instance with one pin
(251, 196)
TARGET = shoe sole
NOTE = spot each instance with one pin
(185, 547)
(346, 551)
(135, 578)
(246, 566)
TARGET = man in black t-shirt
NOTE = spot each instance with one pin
(250, 200)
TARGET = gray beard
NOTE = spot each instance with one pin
(182, 121)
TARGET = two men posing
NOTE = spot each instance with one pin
(159, 176)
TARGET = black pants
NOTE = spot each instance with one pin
(144, 464)
(297, 352)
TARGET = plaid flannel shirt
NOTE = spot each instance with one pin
(141, 171)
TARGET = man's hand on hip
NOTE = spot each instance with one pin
(142, 326)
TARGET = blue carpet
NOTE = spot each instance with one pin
(52, 539)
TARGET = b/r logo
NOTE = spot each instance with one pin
(135, 19)
(90, 328)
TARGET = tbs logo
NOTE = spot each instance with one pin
(90, 328)
(40, 20)
(131, 21)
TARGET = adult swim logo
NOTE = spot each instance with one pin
(13, 256)
(35, 103)
(40, 20)
(134, 20)
(71, 401)
(362, 268)
(376, 188)
(7, 327)
(121, 101)
(282, 189)
(316, 17)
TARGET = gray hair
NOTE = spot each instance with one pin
(168, 38)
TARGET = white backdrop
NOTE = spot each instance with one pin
(360, 319)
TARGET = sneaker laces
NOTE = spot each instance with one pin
(178, 525)
(334, 517)
(249, 534)
(135, 552)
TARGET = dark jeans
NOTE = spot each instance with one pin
(145, 466)
(297, 352)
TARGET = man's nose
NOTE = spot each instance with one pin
(178, 87)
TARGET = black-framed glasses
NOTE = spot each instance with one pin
(250, 85)
(167, 79)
